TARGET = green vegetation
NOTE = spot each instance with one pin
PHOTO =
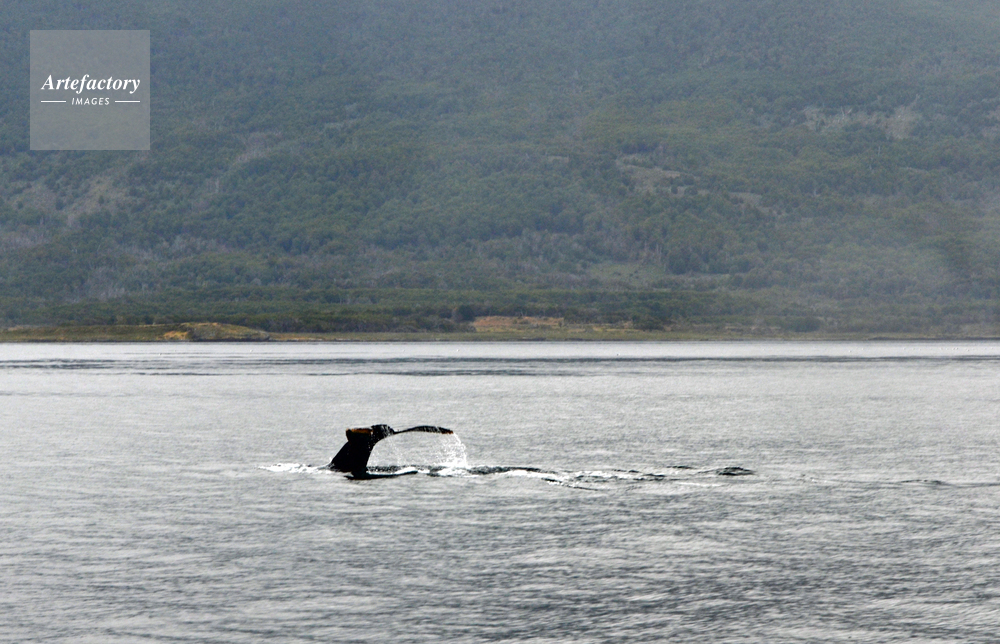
(810, 167)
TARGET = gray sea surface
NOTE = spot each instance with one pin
(592, 492)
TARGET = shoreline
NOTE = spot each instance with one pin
(216, 332)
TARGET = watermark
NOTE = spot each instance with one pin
(89, 90)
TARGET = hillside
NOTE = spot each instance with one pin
(391, 165)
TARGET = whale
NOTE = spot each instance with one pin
(353, 456)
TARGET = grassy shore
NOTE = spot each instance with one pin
(489, 332)
(185, 332)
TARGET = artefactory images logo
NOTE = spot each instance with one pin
(89, 90)
(77, 85)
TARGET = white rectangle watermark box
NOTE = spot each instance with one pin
(90, 90)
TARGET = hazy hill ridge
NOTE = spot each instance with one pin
(381, 165)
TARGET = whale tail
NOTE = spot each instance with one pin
(353, 456)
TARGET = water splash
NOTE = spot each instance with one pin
(453, 452)
(427, 450)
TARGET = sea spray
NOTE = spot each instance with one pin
(431, 450)
(453, 452)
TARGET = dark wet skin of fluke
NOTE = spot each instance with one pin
(353, 456)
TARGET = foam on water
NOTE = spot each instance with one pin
(449, 471)
(452, 463)
(297, 468)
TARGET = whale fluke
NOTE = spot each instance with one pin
(353, 456)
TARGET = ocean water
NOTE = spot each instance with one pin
(592, 492)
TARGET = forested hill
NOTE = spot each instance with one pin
(382, 164)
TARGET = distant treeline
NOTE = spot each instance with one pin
(813, 163)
